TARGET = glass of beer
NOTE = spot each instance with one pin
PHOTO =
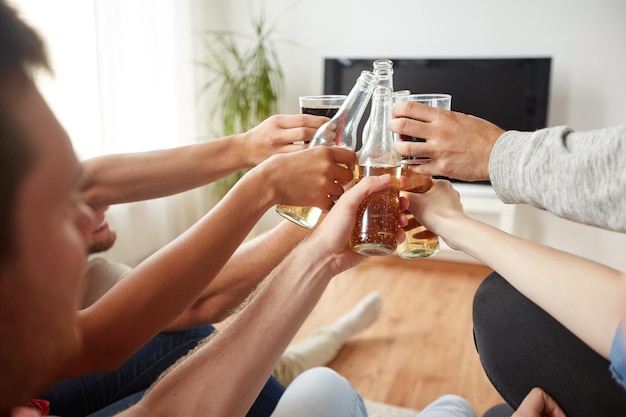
(325, 105)
(419, 242)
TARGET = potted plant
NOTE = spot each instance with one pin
(245, 78)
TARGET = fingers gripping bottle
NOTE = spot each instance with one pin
(341, 130)
(376, 223)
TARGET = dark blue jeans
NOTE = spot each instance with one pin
(108, 393)
(521, 347)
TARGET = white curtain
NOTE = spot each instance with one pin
(123, 82)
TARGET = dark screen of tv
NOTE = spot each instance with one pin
(512, 93)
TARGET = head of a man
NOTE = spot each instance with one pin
(44, 226)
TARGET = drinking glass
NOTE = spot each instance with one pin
(419, 242)
(325, 105)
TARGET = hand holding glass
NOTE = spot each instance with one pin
(419, 242)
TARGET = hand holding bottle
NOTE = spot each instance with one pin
(328, 242)
(339, 131)
(436, 208)
(311, 177)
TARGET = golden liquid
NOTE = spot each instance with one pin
(416, 183)
(419, 242)
(374, 232)
(306, 217)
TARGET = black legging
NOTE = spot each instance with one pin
(521, 347)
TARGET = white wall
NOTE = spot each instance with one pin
(585, 38)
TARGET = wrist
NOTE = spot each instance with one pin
(264, 186)
(314, 258)
(240, 142)
(453, 229)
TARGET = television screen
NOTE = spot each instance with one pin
(513, 93)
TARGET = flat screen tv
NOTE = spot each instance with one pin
(513, 93)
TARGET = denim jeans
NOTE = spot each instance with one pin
(521, 347)
(108, 393)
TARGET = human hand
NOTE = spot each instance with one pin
(312, 177)
(457, 144)
(436, 207)
(330, 240)
(538, 404)
(277, 134)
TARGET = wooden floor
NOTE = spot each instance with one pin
(421, 347)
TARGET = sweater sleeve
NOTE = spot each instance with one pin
(580, 176)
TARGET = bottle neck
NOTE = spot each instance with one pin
(383, 69)
(385, 78)
(351, 111)
(378, 147)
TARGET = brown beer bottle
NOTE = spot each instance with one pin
(376, 223)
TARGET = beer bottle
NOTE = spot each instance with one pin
(340, 130)
(383, 69)
(376, 223)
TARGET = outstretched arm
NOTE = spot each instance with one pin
(122, 178)
(548, 168)
(228, 365)
(552, 168)
(583, 295)
(160, 288)
(249, 265)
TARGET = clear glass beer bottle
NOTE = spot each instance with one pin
(341, 130)
(383, 69)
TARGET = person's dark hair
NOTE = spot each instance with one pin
(21, 52)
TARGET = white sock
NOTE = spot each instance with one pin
(326, 342)
(362, 315)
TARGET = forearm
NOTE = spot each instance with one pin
(229, 365)
(249, 265)
(167, 282)
(122, 178)
(552, 168)
(581, 294)
(162, 287)
(234, 365)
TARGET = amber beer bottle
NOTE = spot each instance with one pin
(376, 223)
(341, 130)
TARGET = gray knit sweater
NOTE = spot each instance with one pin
(580, 176)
